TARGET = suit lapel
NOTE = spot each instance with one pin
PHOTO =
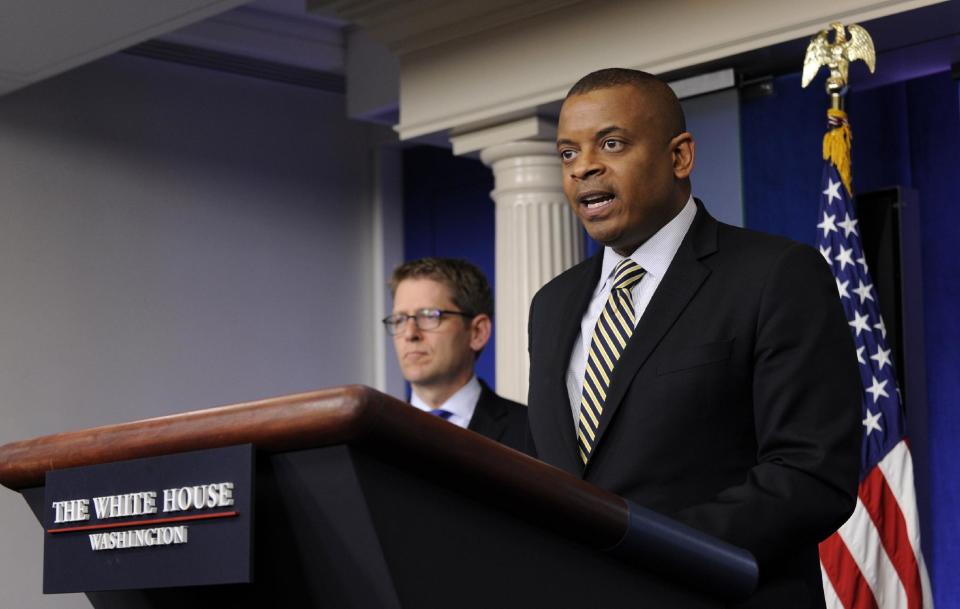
(679, 285)
(489, 415)
(565, 321)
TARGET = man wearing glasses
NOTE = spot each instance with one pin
(441, 321)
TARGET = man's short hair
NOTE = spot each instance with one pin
(646, 82)
(467, 283)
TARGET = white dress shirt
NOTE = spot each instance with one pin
(654, 256)
(461, 404)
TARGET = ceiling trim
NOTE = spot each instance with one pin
(242, 65)
(83, 43)
(522, 68)
(408, 26)
(265, 35)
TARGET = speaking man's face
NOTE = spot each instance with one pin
(621, 166)
(440, 357)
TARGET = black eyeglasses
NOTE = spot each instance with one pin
(426, 319)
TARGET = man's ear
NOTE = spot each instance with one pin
(684, 151)
(481, 327)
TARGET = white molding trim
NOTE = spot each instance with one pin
(405, 27)
(704, 83)
(49, 38)
(386, 245)
(527, 128)
(250, 32)
(519, 69)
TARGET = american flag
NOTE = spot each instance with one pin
(874, 560)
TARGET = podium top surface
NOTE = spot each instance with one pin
(354, 415)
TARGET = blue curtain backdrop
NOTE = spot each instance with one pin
(905, 134)
(448, 213)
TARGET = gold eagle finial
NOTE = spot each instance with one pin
(838, 55)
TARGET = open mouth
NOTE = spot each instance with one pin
(595, 199)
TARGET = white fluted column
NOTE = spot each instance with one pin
(537, 237)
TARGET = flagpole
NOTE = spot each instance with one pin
(874, 559)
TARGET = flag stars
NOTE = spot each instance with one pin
(845, 257)
(826, 253)
(863, 291)
(842, 288)
(882, 357)
(862, 261)
(860, 351)
(877, 389)
(833, 191)
(872, 422)
(882, 328)
(828, 225)
(859, 322)
(849, 225)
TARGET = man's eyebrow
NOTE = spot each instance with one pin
(598, 135)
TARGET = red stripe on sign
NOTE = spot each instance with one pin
(881, 504)
(844, 574)
(133, 523)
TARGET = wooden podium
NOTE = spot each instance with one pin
(362, 501)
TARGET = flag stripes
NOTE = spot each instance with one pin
(897, 469)
(879, 534)
(888, 519)
(829, 594)
(844, 575)
(863, 541)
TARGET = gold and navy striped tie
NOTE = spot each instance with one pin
(610, 337)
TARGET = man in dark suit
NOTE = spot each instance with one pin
(441, 321)
(698, 369)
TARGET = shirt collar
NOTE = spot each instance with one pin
(461, 404)
(657, 252)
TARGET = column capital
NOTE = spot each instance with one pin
(531, 127)
(528, 148)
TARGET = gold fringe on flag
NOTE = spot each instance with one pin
(836, 145)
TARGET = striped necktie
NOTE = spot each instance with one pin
(610, 337)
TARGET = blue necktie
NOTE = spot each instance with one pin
(443, 414)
